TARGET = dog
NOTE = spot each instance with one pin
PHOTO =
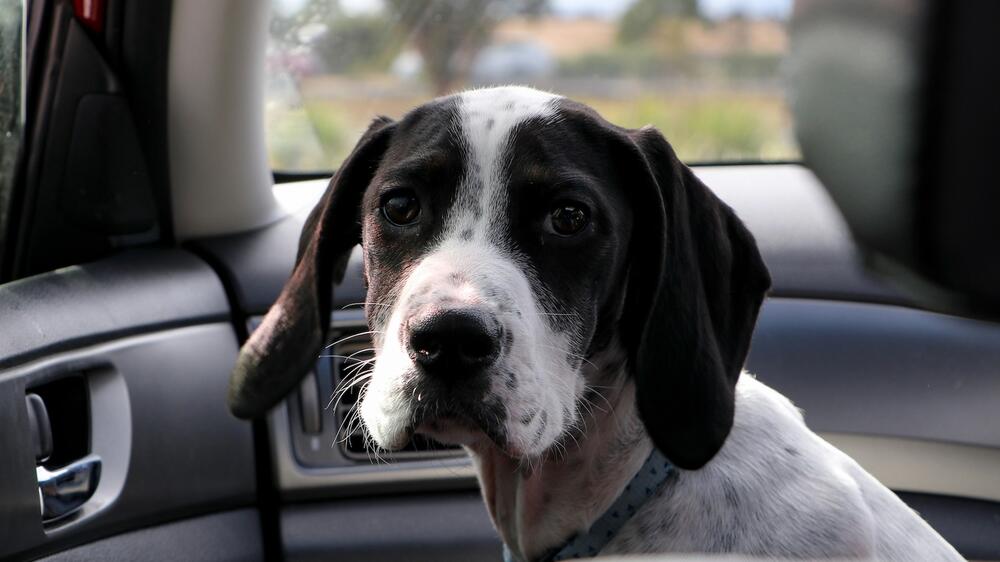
(565, 299)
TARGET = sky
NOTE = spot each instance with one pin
(602, 8)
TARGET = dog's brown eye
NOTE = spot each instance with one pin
(569, 218)
(401, 209)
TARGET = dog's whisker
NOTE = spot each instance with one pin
(343, 388)
(540, 313)
(570, 353)
(351, 356)
(365, 350)
(357, 367)
(335, 356)
(364, 304)
(592, 406)
(353, 418)
(345, 423)
(611, 406)
(359, 334)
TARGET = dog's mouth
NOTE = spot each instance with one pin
(473, 426)
(452, 430)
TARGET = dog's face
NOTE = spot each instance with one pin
(520, 250)
(496, 238)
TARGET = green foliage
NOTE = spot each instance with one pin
(312, 137)
(750, 66)
(644, 16)
(646, 62)
(449, 33)
(619, 62)
(332, 130)
(707, 128)
(357, 44)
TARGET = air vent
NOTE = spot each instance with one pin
(352, 357)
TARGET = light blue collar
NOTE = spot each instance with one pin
(644, 484)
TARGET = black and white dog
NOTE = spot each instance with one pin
(568, 301)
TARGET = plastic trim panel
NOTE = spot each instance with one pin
(136, 291)
(223, 537)
(440, 527)
(188, 454)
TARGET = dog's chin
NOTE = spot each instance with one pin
(455, 427)
(453, 430)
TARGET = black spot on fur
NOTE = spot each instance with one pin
(456, 278)
(511, 381)
(732, 497)
(792, 451)
(489, 123)
(526, 418)
(467, 234)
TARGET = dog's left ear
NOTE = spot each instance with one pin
(696, 284)
(284, 347)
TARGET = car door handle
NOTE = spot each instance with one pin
(64, 490)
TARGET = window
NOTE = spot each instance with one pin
(706, 72)
(11, 98)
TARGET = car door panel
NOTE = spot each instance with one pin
(229, 536)
(148, 338)
(441, 526)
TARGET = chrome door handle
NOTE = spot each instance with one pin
(64, 490)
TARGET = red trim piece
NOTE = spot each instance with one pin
(90, 13)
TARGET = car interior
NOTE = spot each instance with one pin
(149, 217)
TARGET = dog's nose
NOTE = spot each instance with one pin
(455, 342)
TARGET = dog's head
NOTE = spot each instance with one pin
(510, 236)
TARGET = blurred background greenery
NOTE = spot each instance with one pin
(705, 72)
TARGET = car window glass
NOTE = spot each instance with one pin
(706, 72)
(11, 97)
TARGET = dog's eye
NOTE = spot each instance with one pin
(401, 208)
(569, 218)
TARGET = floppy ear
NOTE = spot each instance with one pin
(284, 347)
(696, 284)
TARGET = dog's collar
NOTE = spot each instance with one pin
(644, 484)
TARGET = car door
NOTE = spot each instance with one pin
(116, 345)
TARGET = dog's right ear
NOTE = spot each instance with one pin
(284, 347)
(697, 281)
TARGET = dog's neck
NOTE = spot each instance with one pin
(537, 508)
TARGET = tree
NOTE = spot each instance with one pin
(644, 16)
(449, 33)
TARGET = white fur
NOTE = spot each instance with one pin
(778, 489)
(488, 118)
